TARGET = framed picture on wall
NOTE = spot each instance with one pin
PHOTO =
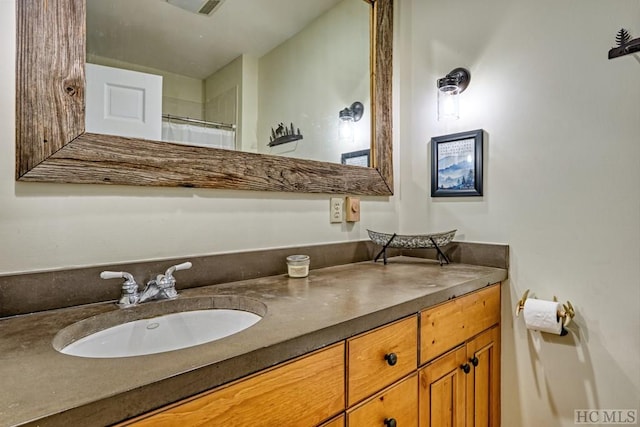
(357, 158)
(456, 164)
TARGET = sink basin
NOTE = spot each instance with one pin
(158, 327)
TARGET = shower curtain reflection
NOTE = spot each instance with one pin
(197, 134)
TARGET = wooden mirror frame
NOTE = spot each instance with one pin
(52, 145)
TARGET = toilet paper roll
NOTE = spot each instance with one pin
(541, 315)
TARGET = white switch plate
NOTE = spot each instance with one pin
(335, 211)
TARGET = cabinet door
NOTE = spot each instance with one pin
(483, 384)
(300, 393)
(442, 391)
(396, 405)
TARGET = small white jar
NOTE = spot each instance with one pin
(298, 265)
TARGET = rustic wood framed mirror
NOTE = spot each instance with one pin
(52, 145)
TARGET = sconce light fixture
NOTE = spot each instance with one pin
(449, 89)
(348, 117)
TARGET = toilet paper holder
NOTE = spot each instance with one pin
(566, 314)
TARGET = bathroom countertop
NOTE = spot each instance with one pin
(41, 386)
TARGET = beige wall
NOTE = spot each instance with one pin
(309, 78)
(249, 104)
(561, 183)
(222, 90)
(51, 226)
(561, 188)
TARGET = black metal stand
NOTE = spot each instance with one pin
(383, 252)
(441, 256)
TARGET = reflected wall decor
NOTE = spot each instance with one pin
(456, 164)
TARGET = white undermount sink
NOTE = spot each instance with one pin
(159, 327)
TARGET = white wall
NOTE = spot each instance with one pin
(561, 183)
(55, 226)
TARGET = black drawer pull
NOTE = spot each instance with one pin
(466, 368)
(474, 361)
(390, 422)
(391, 359)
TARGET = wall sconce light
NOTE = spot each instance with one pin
(449, 89)
(348, 117)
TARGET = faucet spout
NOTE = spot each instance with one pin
(150, 292)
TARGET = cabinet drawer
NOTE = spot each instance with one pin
(378, 358)
(398, 402)
(300, 393)
(449, 324)
(336, 422)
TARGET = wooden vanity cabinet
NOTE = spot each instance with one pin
(440, 367)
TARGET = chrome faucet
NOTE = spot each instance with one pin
(162, 287)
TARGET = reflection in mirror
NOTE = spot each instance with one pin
(246, 76)
(53, 146)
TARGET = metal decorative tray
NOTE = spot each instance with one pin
(418, 241)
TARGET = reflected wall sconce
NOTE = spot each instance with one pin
(449, 89)
(348, 117)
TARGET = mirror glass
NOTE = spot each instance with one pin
(267, 77)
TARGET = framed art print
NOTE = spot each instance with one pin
(456, 164)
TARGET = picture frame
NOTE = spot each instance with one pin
(457, 164)
(357, 158)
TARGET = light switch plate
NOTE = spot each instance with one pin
(335, 211)
(352, 207)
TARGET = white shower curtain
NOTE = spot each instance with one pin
(197, 135)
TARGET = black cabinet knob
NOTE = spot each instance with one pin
(390, 422)
(474, 361)
(466, 368)
(391, 359)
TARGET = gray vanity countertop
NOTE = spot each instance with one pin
(43, 387)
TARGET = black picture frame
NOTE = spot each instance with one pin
(456, 164)
(357, 158)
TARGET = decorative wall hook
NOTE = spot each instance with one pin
(625, 44)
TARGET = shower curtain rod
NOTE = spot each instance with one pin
(200, 122)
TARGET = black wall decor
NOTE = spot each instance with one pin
(625, 44)
(456, 164)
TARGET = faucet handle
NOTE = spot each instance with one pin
(129, 295)
(116, 275)
(184, 266)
